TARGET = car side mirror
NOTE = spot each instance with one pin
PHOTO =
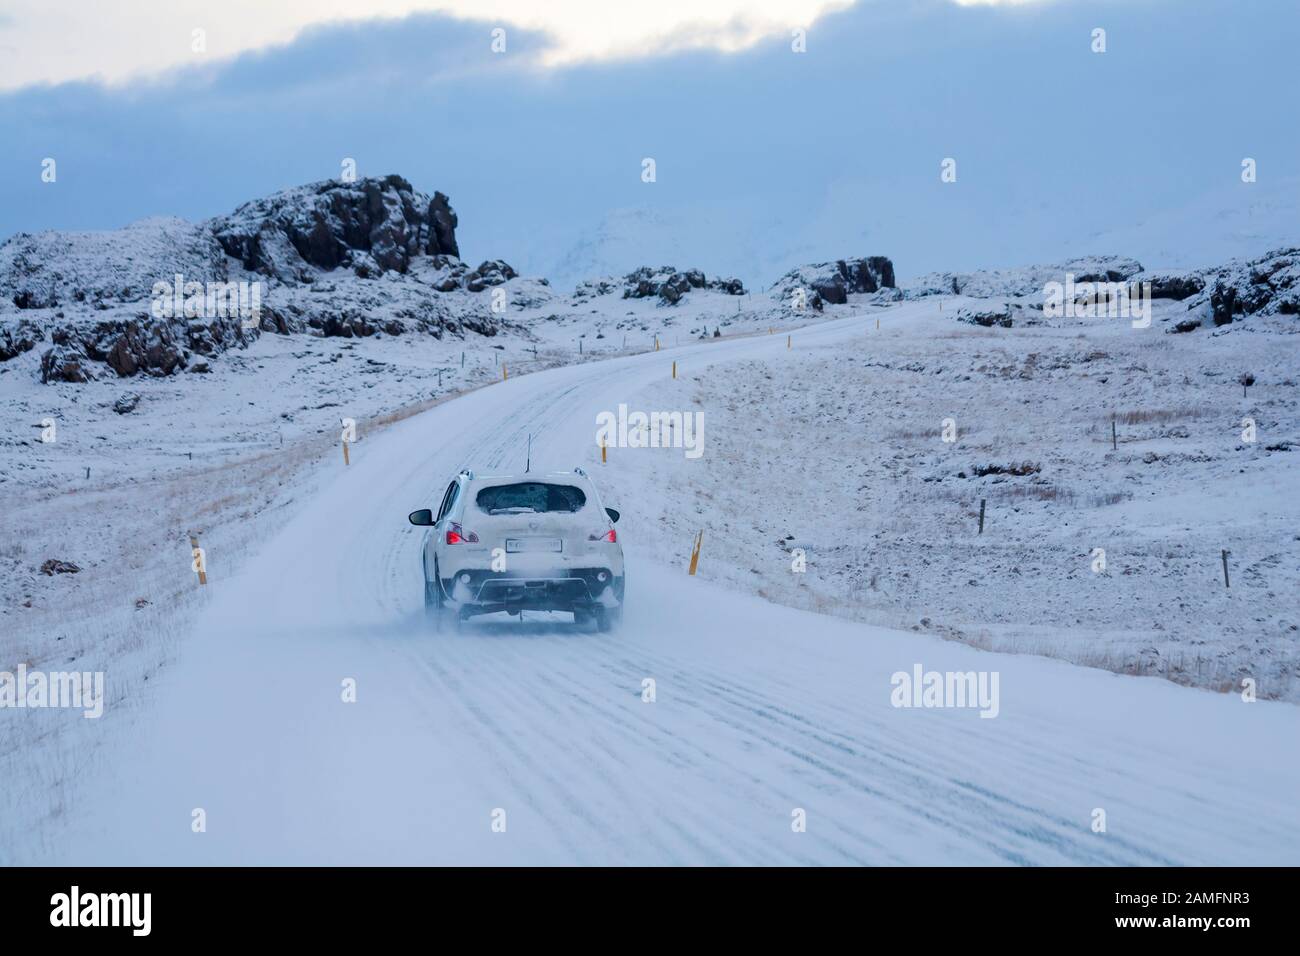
(613, 515)
(423, 518)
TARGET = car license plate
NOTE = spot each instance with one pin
(516, 545)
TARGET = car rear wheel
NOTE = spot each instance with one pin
(609, 619)
(435, 609)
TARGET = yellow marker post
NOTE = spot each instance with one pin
(656, 343)
(695, 552)
(604, 452)
(504, 374)
(345, 454)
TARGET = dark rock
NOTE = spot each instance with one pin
(835, 281)
(64, 363)
(347, 327)
(985, 317)
(1018, 469)
(1269, 285)
(1172, 285)
(19, 338)
(492, 272)
(728, 286)
(1223, 300)
(595, 287)
(674, 287)
(127, 403)
(666, 282)
(54, 566)
(321, 226)
(151, 349)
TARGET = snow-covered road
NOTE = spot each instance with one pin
(760, 710)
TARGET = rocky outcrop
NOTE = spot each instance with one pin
(835, 281)
(370, 224)
(134, 346)
(667, 282)
(1223, 302)
(1269, 285)
(986, 317)
(18, 338)
(492, 272)
(591, 288)
(65, 363)
(331, 259)
(1172, 285)
(1024, 281)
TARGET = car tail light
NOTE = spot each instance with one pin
(611, 536)
(458, 535)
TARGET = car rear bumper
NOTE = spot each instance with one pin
(484, 592)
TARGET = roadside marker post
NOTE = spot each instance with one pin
(981, 516)
(695, 552)
(674, 369)
(788, 340)
(604, 452)
(346, 461)
(1225, 569)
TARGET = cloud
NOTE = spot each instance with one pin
(59, 41)
(763, 155)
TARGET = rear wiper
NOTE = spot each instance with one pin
(513, 511)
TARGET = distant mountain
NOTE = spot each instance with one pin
(1238, 221)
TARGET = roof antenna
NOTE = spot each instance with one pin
(528, 464)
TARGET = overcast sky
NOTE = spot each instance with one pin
(831, 152)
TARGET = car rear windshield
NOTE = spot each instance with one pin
(530, 497)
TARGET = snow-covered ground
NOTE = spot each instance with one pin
(229, 454)
(760, 711)
(125, 433)
(837, 450)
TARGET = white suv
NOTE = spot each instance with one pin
(520, 543)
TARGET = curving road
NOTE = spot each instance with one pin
(760, 710)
